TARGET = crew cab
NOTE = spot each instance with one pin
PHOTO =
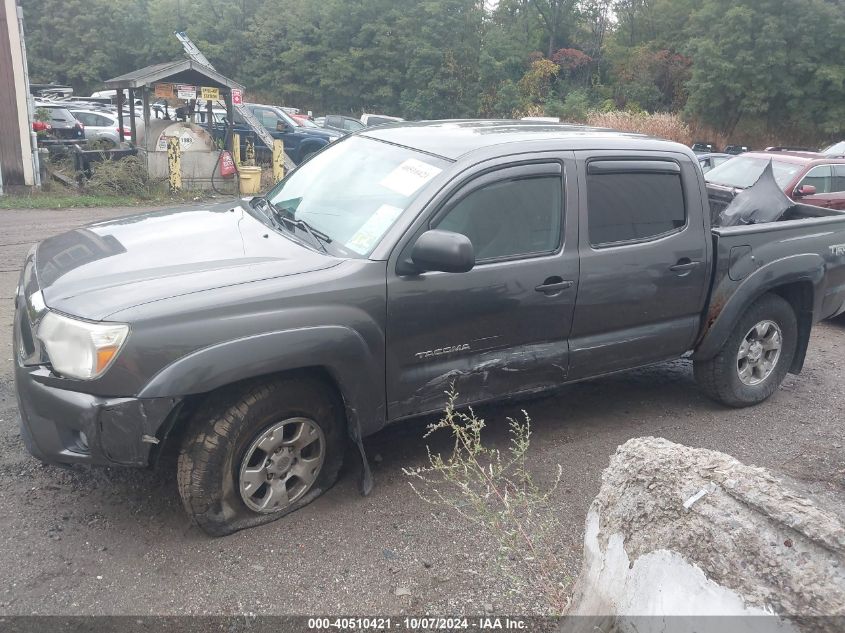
(498, 258)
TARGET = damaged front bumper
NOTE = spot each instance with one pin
(63, 426)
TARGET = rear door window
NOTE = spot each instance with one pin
(634, 205)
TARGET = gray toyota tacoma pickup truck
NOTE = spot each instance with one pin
(502, 257)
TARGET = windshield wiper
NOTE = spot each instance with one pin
(286, 218)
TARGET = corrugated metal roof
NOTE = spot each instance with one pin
(180, 71)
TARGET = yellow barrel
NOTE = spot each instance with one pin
(250, 179)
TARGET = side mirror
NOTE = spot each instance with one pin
(804, 190)
(443, 251)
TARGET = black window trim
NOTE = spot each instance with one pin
(521, 171)
(650, 165)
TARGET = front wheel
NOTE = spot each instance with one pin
(255, 454)
(756, 357)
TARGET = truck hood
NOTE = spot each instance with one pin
(97, 270)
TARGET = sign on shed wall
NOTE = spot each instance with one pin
(210, 94)
(184, 91)
(164, 91)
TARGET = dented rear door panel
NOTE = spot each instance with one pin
(640, 302)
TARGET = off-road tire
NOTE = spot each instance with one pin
(718, 376)
(221, 432)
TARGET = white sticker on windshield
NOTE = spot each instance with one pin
(372, 230)
(409, 176)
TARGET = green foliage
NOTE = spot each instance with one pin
(573, 109)
(777, 61)
(537, 82)
(494, 491)
(771, 68)
(508, 100)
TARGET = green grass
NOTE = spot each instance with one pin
(63, 200)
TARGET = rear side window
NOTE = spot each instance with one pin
(84, 117)
(635, 206)
(58, 114)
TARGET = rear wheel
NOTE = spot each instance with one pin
(258, 453)
(756, 357)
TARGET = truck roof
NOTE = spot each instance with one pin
(454, 138)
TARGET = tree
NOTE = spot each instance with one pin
(557, 17)
(768, 68)
(773, 62)
(536, 84)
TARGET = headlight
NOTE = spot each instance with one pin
(78, 349)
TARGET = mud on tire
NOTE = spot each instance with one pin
(719, 377)
(228, 424)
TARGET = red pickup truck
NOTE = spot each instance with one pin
(810, 177)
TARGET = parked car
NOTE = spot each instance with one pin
(300, 142)
(495, 258)
(302, 119)
(305, 122)
(64, 125)
(111, 95)
(340, 123)
(736, 149)
(809, 177)
(370, 120)
(711, 160)
(703, 147)
(789, 148)
(837, 149)
(101, 125)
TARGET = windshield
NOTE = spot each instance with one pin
(305, 122)
(743, 171)
(284, 116)
(355, 190)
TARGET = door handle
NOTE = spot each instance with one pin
(684, 265)
(553, 285)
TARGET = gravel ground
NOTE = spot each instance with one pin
(115, 541)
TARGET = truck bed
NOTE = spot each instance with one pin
(806, 238)
(720, 197)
